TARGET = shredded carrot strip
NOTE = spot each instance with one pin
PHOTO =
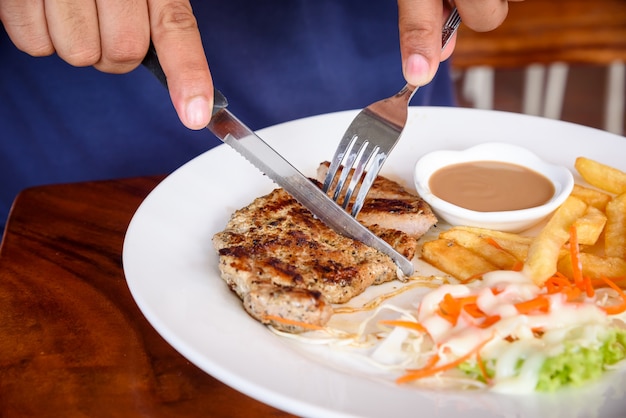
(620, 281)
(472, 278)
(429, 371)
(489, 321)
(619, 308)
(431, 362)
(496, 291)
(450, 307)
(561, 276)
(557, 284)
(540, 303)
(575, 256)
(493, 242)
(483, 369)
(473, 310)
(293, 322)
(405, 324)
(466, 300)
(572, 293)
(450, 318)
(561, 284)
(598, 283)
(518, 266)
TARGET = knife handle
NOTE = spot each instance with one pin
(151, 62)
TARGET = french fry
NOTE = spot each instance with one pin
(546, 249)
(615, 229)
(490, 251)
(589, 227)
(601, 176)
(594, 266)
(591, 197)
(514, 244)
(497, 235)
(454, 259)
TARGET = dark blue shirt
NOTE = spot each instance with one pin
(275, 61)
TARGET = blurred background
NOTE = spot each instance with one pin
(563, 59)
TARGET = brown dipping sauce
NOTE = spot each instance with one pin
(491, 186)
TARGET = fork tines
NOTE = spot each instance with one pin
(369, 139)
(365, 157)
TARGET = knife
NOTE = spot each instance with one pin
(233, 132)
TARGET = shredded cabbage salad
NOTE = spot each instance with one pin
(503, 333)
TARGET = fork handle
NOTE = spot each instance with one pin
(450, 27)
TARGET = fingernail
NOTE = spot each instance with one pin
(198, 112)
(417, 70)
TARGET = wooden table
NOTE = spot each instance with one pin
(72, 340)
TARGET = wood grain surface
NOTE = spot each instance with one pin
(546, 31)
(72, 341)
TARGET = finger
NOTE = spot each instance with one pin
(482, 15)
(73, 28)
(177, 41)
(420, 23)
(25, 23)
(124, 34)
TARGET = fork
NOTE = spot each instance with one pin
(370, 138)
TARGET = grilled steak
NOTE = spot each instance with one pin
(289, 268)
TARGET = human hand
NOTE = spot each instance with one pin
(114, 36)
(420, 23)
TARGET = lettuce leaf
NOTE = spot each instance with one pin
(577, 365)
(572, 367)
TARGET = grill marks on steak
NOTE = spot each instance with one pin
(277, 240)
(283, 262)
(391, 206)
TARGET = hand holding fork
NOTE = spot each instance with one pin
(370, 138)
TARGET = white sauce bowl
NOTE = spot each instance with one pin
(511, 221)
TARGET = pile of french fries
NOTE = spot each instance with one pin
(598, 211)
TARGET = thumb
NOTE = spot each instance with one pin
(420, 23)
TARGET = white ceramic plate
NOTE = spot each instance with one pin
(171, 268)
